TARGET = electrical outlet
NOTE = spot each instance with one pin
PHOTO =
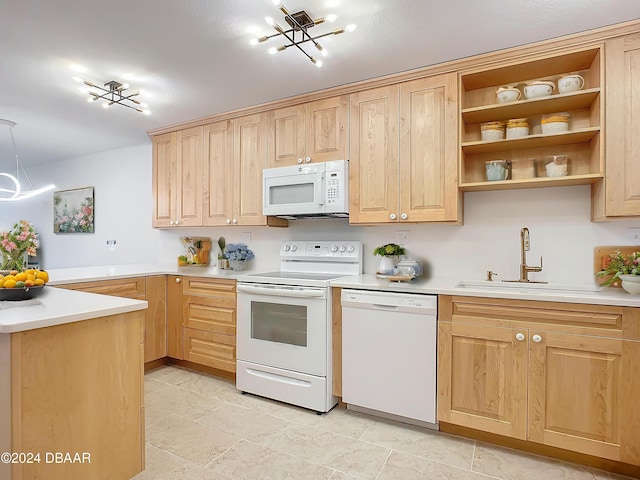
(635, 235)
(245, 238)
(111, 245)
(402, 237)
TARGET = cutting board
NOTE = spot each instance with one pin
(601, 252)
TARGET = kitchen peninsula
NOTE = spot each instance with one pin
(71, 386)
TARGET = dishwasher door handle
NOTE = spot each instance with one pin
(378, 306)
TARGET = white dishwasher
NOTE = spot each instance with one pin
(389, 354)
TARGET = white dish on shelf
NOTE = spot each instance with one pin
(508, 93)
(538, 89)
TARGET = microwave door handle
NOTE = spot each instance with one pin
(319, 189)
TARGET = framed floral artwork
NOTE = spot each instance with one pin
(73, 211)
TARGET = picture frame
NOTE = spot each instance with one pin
(73, 211)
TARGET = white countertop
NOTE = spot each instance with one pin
(55, 306)
(61, 276)
(421, 285)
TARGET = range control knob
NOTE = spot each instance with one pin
(293, 248)
(351, 248)
(287, 248)
(343, 248)
(334, 248)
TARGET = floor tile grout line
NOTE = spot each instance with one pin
(473, 455)
(240, 440)
(384, 463)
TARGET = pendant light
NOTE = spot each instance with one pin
(10, 188)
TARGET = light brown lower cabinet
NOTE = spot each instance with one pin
(153, 289)
(202, 321)
(558, 374)
(72, 400)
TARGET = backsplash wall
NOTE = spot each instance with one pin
(558, 219)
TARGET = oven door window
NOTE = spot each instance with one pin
(275, 322)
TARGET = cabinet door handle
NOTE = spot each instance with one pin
(228, 221)
(235, 220)
(307, 159)
(170, 222)
(392, 216)
(520, 336)
(536, 338)
(176, 222)
(178, 280)
(403, 216)
(299, 160)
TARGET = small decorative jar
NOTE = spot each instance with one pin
(492, 131)
(517, 128)
(555, 123)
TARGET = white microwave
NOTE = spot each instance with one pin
(307, 191)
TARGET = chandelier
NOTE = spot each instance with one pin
(15, 191)
(297, 34)
(114, 92)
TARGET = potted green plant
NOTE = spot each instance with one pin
(387, 252)
(625, 268)
(239, 255)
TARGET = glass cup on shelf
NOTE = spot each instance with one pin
(497, 170)
(553, 166)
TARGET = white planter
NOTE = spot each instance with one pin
(386, 266)
(238, 264)
(631, 283)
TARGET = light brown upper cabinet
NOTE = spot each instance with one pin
(582, 143)
(403, 153)
(312, 132)
(618, 195)
(235, 153)
(177, 179)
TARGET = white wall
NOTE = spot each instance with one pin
(558, 219)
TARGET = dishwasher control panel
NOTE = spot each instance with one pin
(422, 303)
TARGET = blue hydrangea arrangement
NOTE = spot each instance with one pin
(238, 251)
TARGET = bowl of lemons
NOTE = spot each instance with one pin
(15, 285)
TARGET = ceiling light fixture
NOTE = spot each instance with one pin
(300, 22)
(15, 191)
(114, 92)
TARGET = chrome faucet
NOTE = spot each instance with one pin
(525, 246)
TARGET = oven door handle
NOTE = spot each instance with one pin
(281, 292)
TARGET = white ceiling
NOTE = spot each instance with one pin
(194, 59)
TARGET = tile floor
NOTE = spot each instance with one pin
(200, 427)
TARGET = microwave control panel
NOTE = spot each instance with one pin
(336, 186)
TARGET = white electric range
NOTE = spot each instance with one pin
(284, 323)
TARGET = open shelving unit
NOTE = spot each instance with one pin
(582, 143)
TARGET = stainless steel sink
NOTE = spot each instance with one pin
(528, 287)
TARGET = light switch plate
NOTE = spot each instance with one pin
(245, 237)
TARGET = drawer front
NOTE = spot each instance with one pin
(600, 320)
(210, 314)
(212, 287)
(125, 287)
(210, 349)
